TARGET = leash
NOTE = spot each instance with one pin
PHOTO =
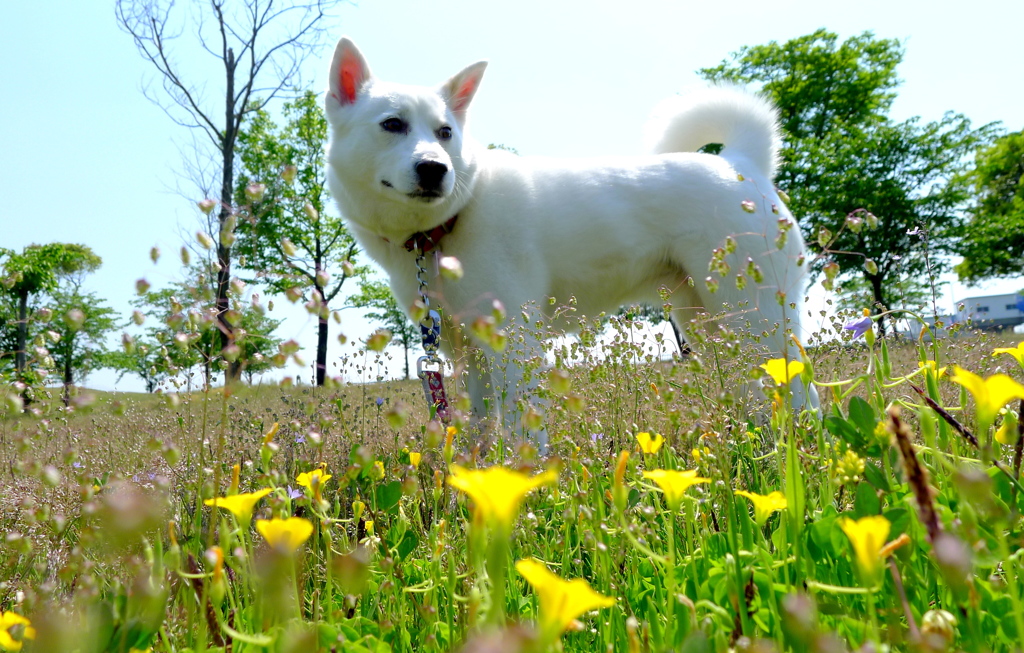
(429, 367)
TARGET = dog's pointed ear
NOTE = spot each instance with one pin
(458, 91)
(349, 72)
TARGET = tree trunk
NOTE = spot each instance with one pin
(227, 333)
(19, 354)
(321, 336)
(68, 371)
(876, 293)
(406, 347)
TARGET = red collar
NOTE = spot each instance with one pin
(426, 241)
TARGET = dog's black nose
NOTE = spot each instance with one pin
(431, 174)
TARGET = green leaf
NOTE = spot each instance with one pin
(388, 496)
(866, 501)
(863, 416)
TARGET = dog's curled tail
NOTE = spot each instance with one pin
(740, 121)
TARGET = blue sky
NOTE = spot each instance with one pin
(85, 157)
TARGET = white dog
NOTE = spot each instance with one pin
(599, 232)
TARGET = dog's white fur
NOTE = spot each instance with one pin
(605, 232)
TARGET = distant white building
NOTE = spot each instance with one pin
(914, 327)
(991, 312)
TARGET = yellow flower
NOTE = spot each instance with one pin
(316, 477)
(497, 491)
(11, 641)
(764, 504)
(285, 534)
(649, 444)
(867, 535)
(561, 601)
(1017, 352)
(933, 368)
(781, 372)
(675, 484)
(414, 458)
(990, 394)
(269, 437)
(1007, 431)
(240, 505)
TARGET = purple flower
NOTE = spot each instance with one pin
(595, 437)
(858, 327)
(380, 401)
(300, 439)
(77, 465)
(294, 493)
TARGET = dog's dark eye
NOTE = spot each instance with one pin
(445, 133)
(394, 125)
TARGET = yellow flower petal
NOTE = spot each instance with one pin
(990, 394)
(781, 371)
(240, 505)
(674, 483)
(764, 504)
(8, 640)
(649, 444)
(1017, 352)
(561, 601)
(867, 535)
(414, 458)
(285, 534)
(307, 479)
(496, 491)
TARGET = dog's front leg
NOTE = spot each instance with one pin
(517, 374)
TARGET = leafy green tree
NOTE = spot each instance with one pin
(38, 269)
(377, 295)
(846, 165)
(145, 357)
(289, 237)
(182, 323)
(83, 323)
(257, 341)
(993, 238)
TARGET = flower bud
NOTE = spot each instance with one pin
(207, 206)
(254, 192)
(450, 268)
(378, 340)
(824, 236)
(288, 247)
(205, 240)
(74, 319)
(288, 173)
(559, 381)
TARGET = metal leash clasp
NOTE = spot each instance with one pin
(429, 367)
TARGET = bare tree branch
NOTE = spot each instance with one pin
(262, 44)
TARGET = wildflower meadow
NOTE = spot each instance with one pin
(667, 514)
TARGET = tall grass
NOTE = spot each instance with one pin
(111, 544)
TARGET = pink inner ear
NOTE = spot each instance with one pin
(465, 91)
(351, 77)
